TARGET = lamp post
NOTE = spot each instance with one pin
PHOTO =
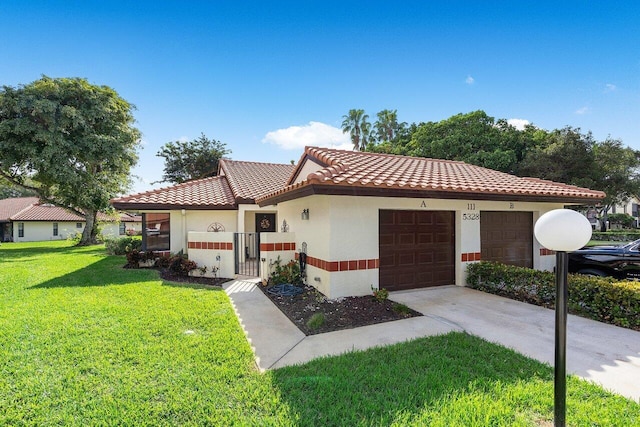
(561, 230)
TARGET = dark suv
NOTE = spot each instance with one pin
(621, 262)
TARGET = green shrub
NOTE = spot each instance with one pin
(622, 220)
(600, 298)
(380, 295)
(316, 321)
(181, 265)
(400, 308)
(288, 273)
(134, 257)
(122, 245)
(616, 236)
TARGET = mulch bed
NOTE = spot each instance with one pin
(169, 275)
(340, 313)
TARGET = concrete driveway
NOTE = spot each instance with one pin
(605, 354)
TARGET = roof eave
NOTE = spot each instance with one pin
(342, 190)
(162, 206)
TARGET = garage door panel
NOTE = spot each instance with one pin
(423, 252)
(425, 277)
(406, 239)
(425, 258)
(424, 238)
(406, 259)
(386, 239)
(443, 238)
(405, 218)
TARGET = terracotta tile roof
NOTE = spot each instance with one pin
(251, 180)
(48, 212)
(13, 206)
(353, 172)
(207, 193)
(129, 217)
(237, 182)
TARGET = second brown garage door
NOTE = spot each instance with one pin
(507, 237)
(417, 249)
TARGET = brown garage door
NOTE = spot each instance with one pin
(417, 249)
(507, 237)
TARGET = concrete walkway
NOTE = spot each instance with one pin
(605, 354)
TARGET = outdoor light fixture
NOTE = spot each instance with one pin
(305, 214)
(561, 230)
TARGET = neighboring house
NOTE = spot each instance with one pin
(362, 220)
(630, 207)
(24, 219)
(9, 208)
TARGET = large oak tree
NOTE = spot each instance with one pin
(71, 142)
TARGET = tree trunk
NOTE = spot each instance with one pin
(90, 232)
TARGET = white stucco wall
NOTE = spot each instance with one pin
(110, 229)
(35, 231)
(221, 258)
(346, 228)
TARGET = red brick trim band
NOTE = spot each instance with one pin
(350, 265)
(545, 251)
(270, 247)
(225, 246)
(471, 256)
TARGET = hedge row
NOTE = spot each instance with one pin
(616, 236)
(123, 245)
(600, 298)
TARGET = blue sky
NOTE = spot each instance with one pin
(267, 78)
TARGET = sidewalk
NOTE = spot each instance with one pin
(602, 353)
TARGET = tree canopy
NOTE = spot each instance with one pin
(71, 142)
(188, 160)
(356, 123)
(9, 190)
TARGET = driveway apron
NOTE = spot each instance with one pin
(602, 353)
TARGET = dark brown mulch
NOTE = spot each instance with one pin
(171, 276)
(340, 313)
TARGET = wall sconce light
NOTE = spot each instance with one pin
(305, 215)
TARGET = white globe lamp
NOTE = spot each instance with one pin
(561, 230)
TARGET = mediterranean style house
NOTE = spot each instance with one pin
(359, 220)
(25, 219)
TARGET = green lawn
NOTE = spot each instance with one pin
(85, 342)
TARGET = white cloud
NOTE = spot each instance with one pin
(518, 123)
(469, 80)
(314, 134)
(583, 110)
(610, 88)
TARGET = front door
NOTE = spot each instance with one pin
(265, 223)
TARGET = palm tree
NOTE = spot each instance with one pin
(387, 125)
(358, 127)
